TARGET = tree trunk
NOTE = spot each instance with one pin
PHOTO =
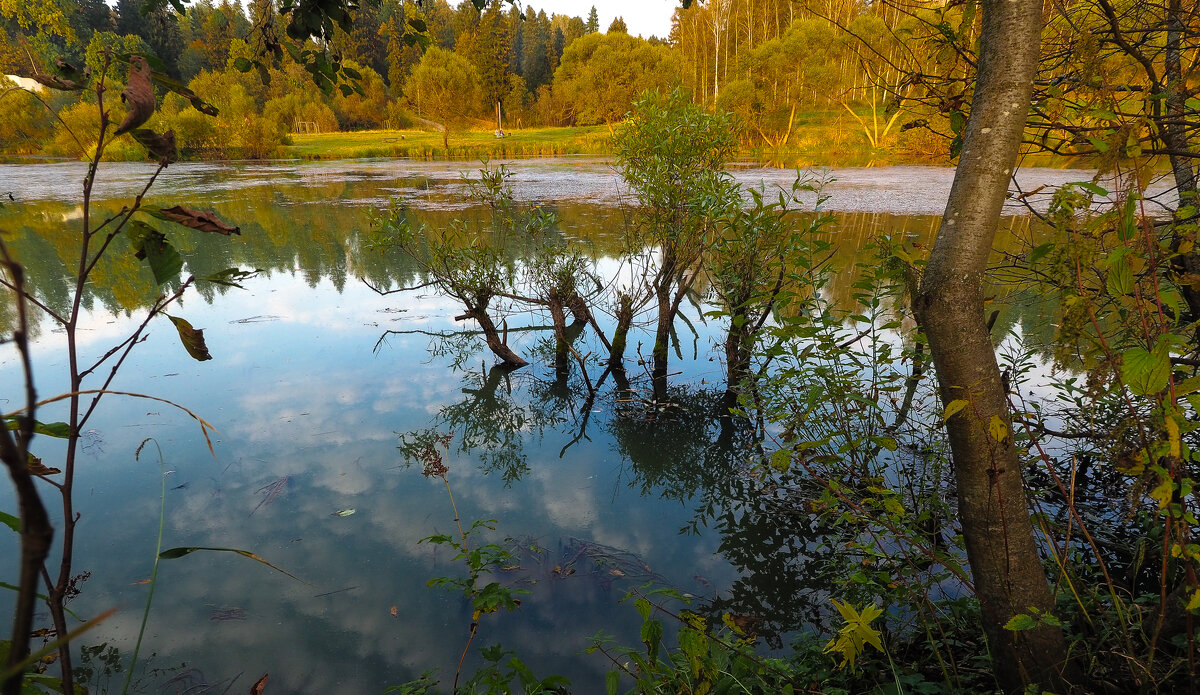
(616, 353)
(1174, 129)
(663, 283)
(562, 353)
(992, 507)
(495, 342)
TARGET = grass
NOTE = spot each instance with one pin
(418, 144)
(821, 137)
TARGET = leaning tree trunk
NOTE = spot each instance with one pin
(992, 507)
(495, 342)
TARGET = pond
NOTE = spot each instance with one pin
(316, 378)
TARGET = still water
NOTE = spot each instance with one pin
(315, 378)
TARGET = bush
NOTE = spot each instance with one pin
(362, 111)
(24, 121)
(292, 109)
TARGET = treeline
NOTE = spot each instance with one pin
(760, 59)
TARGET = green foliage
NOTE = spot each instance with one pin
(601, 75)
(703, 658)
(672, 153)
(444, 87)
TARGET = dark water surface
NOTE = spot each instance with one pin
(314, 377)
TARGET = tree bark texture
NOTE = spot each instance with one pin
(993, 510)
(495, 342)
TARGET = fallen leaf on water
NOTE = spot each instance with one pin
(260, 686)
(344, 512)
(395, 612)
(143, 581)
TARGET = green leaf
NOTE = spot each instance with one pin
(1039, 252)
(59, 430)
(956, 146)
(243, 64)
(1119, 281)
(10, 521)
(1020, 622)
(1092, 188)
(1146, 372)
(192, 339)
(417, 24)
(230, 277)
(643, 608)
(957, 121)
(151, 246)
(612, 681)
(176, 553)
(1127, 228)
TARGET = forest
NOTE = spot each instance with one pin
(774, 64)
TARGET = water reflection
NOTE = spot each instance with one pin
(579, 466)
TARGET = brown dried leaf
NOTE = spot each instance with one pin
(36, 467)
(138, 96)
(55, 82)
(160, 146)
(260, 686)
(199, 220)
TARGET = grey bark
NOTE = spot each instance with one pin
(993, 510)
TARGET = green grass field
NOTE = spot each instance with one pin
(820, 138)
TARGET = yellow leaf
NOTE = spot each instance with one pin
(1195, 602)
(953, 407)
(1132, 463)
(856, 634)
(1164, 493)
(1172, 435)
(998, 429)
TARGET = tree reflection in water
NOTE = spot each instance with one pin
(690, 450)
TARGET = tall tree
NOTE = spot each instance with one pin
(618, 27)
(444, 86)
(593, 21)
(993, 510)
(490, 53)
(535, 63)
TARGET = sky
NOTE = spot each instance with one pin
(643, 17)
